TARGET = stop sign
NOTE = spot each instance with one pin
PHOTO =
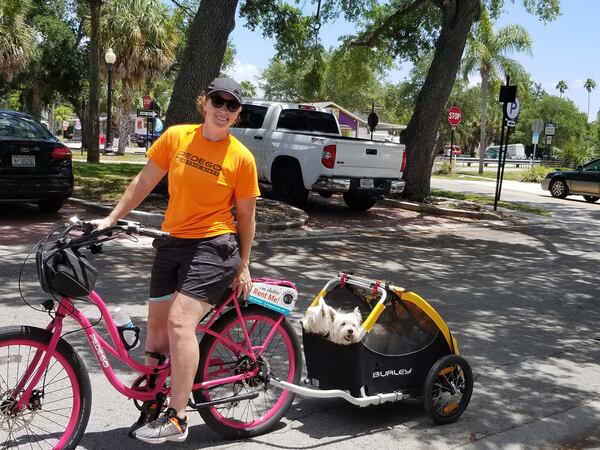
(147, 101)
(454, 116)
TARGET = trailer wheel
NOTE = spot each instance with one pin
(289, 188)
(448, 388)
(357, 202)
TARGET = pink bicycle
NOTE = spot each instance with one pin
(45, 390)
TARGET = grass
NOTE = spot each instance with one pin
(471, 176)
(102, 183)
(485, 200)
(105, 183)
(531, 175)
(128, 157)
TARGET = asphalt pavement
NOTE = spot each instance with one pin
(520, 296)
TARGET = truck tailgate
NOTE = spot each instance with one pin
(365, 158)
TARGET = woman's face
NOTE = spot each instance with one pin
(221, 110)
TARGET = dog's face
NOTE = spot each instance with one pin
(346, 327)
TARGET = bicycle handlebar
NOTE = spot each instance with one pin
(92, 235)
(135, 227)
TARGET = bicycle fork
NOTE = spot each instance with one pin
(36, 369)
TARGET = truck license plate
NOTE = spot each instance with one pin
(23, 161)
(366, 183)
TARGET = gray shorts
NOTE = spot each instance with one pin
(199, 268)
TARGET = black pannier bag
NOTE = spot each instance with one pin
(65, 272)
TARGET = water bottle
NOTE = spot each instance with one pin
(130, 334)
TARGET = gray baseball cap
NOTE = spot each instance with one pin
(226, 85)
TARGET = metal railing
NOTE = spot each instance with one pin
(493, 162)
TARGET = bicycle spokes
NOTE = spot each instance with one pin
(52, 405)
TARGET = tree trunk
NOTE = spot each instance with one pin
(420, 134)
(94, 80)
(37, 102)
(484, 102)
(124, 120)
(202, 57)
(85, 129)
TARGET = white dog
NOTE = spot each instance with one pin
(318, 319)
(346, 328)
(340, 328)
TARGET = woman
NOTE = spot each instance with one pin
(209, 173)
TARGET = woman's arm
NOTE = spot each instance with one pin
(246, 224)
(136, 192)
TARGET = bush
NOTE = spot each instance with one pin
(444, 169)
(535, 174)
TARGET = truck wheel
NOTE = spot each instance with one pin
(289, 188)
(357, 202)
(325, 194)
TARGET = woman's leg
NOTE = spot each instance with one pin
(157, 337)
(184, 315)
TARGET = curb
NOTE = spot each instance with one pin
(299, 222)
(156, 220)
(440, 211)
(138, 216)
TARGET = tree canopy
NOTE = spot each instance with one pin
(404, 29)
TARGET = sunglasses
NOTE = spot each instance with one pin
(218, 102)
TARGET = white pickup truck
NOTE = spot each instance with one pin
(298, 148)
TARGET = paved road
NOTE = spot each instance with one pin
(521, 298)
(514, 191)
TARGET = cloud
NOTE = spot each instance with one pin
(244, 72)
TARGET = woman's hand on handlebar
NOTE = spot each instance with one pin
(101, 224)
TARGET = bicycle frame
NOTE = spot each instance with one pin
(101, 347)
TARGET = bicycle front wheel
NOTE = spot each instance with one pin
(280, 357)
(57, 412)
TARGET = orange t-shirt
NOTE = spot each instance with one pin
(205, 180)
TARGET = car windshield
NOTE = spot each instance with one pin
(21, 127)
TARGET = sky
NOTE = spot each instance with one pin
(565, 49)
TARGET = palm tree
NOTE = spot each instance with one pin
(562, 87)
(16, 38)
(486, 53)
(139, 32)
(589, 86)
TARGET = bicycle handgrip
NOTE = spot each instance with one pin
(154, 233)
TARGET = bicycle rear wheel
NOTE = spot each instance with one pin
(58, 410)
(281, 358)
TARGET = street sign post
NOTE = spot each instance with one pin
(537, 126)
(510, 111)
(146, 113)
(550, 129)
(454, 119)
(454, 116)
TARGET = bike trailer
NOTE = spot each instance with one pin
(406, 352)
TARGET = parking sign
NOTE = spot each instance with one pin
(512, 109)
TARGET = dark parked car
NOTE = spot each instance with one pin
(34, 165)
(146, 141)
(585, 180)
